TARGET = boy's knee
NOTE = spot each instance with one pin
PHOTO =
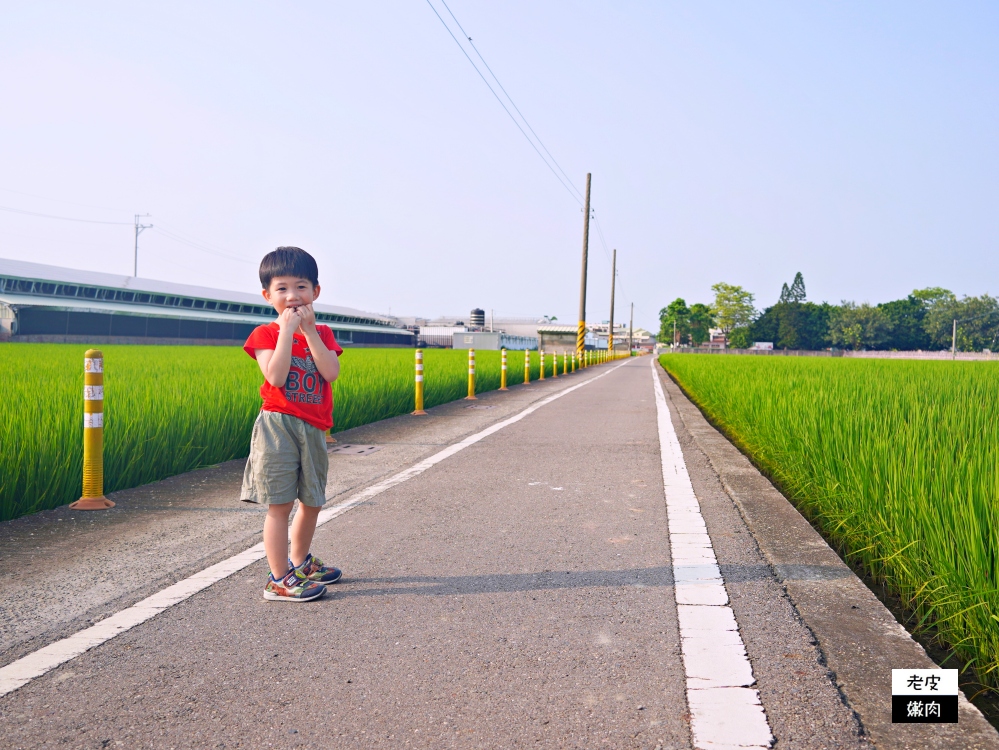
(280, 510)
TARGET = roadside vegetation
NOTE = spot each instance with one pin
(893, 461)
(171, 409)
(921, 321)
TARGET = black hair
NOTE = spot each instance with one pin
(288, 261)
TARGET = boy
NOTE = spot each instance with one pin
(288, 457)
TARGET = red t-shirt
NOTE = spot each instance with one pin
(306, 394)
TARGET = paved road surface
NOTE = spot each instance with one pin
(518, 593)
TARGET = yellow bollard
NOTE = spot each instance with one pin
(527, 366)
(503, 370)
(574, 361)
(541, 358)
(554, 364)
(471, 376)
(419, 383)
(93, 434)
(565, 363)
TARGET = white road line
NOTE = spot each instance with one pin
(37, 663)
(725, 710)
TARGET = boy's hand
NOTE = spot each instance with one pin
(290, 319)
(307, 317)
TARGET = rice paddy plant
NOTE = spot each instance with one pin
(171, 409)
(894, 461)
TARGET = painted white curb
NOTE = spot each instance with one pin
(725, 710)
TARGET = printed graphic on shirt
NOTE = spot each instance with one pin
(304, 384)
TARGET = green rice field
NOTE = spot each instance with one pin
(895, 462)
(170, 409)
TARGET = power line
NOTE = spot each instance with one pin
(71, 203)
(505, 108)
(197, 245)
(63, 218)
(510, 98)
(600, 234)
(175, 236)
(564, 179)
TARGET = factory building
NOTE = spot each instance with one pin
(52, 304)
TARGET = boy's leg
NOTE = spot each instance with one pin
(302, 530)
(276, 538)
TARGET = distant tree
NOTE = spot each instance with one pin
(794, 293)
(741, 337)
(793, 325)
(803, 325)
(732, 308)
(978, 322)
(906, 317)
(863, 326)
(932, 295)
(701, 320)
(676, 312)
(766, 326)
(692, 323)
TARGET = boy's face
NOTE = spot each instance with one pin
(290, 291)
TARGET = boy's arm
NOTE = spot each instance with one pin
(326, 361)
(275, 363)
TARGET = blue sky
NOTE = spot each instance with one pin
(736, 142)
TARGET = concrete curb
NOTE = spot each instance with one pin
(860, 639)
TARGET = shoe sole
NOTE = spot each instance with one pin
(327, 583)
(278, 598)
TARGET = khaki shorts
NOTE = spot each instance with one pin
(288, 460)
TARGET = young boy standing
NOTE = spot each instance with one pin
(288, 458)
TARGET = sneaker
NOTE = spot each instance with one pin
(313, 569)
(294, 587)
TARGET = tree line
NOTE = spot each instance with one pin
(922, 320)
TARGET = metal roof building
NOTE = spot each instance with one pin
(49, 303)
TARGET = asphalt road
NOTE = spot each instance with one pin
(518, 593)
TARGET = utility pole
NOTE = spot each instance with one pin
(610, 330)
(631, 330)
(953, 342)
(138, 230)
(581, 329)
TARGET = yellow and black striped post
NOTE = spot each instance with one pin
(419, 383)
(527, 366)
(503, 370)
(93, 434)
(471, 376)
(541, 358)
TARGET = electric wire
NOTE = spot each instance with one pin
(71, 203)
(197, 245)
(63, 218)
(169, 234)
(512, 102)
(502, 104)
(564, 179)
